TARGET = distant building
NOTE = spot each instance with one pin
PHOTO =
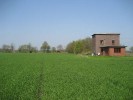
(107, 45)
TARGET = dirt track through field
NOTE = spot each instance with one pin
(40, 91)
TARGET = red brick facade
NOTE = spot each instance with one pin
(112, 53)
(107, 44)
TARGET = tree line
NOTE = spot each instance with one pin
(76, 47)
(82, 46)
(28, 48)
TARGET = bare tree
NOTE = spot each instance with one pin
(53, 49)
(59, 48)
(12, 47)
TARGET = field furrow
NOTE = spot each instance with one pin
(40, 91)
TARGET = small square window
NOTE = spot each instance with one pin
(101, 42)
(113, 42)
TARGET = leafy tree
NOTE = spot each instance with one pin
(27, 48)
(23, 48)
(45, 47)
(80, 46)
(70, 47)
(6, 48)
(131, 49)
(87, 45)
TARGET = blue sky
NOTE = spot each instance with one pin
(62, 21)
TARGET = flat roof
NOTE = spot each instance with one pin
(107, 34)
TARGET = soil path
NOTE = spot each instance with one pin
(40, 91)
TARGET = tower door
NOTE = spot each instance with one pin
(104, 51)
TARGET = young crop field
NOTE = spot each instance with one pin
(65, 77)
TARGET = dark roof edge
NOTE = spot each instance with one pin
(113, 46)
(107, 34)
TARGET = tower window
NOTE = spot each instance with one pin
(101, 42)
(113, 42)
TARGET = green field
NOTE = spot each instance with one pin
(65, 77)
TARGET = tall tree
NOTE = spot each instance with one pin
(70, 47)
(45, 47)
(78, 47)
(87, 44)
